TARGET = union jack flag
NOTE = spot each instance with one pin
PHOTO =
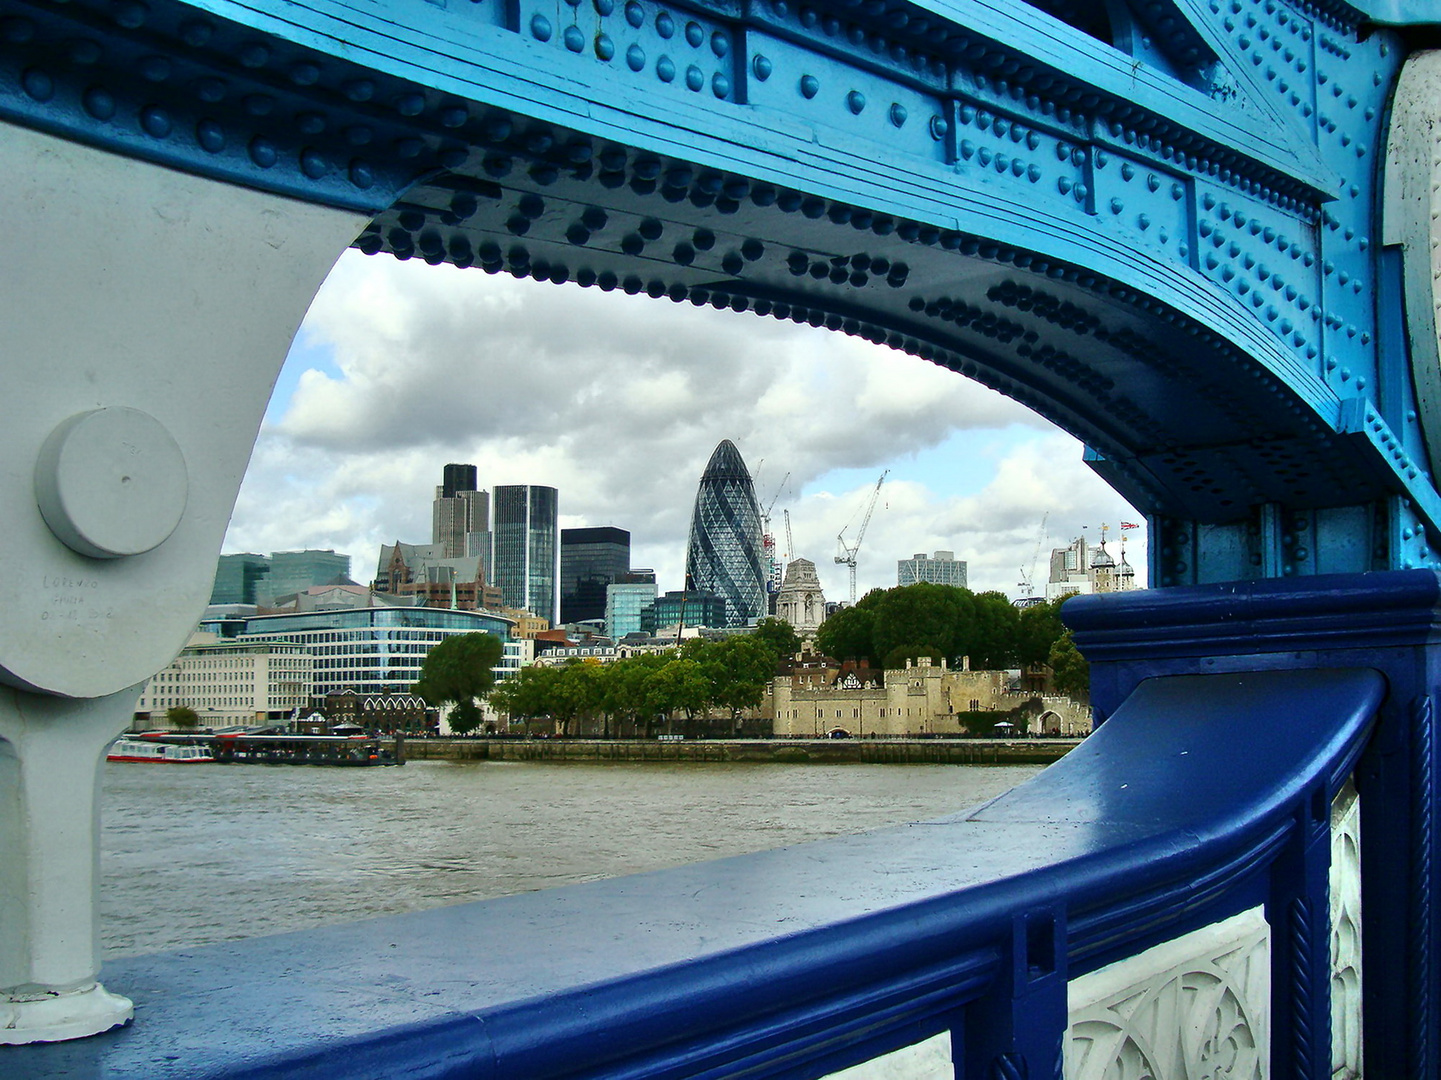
(1129, 525)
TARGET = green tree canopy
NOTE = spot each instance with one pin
(991, 638)
(458, 671)
(182, 716)
(737, 671)
(1038, 627)
(1071, 673)
(925, 615)
(779, 637)
(847, 635)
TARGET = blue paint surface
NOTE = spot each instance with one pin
(1160, 232)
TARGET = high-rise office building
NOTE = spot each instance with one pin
(460, 515)
(292, 572)
(625, 599)
(942, 568)
(590, 559)
(724, 554)
(525, 559)
(238, 579)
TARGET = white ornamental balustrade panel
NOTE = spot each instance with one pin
(1194, 1008)
(1346, 934)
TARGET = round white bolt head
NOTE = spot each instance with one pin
(111, 482)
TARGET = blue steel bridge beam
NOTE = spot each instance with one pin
(1171, 251)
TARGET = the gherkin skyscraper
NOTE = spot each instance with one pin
(724, 555)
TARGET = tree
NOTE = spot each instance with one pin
(1071, 673)
(182, 716)
(847, 635)
(458, 670)
(779, 637)
(681, 686)
(737, 671)
(1038, 627)
(924, 614)
(992, 644)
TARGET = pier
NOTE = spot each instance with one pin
(787, 751)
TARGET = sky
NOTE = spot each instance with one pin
(618, 401)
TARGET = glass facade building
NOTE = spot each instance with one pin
(590, 559)
(525, 564)
(724, 553)
(295, 571)
(375, 650)
(625, 598)
(238, 579)
(683, 608)
(942, 568)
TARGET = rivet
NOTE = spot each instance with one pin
(263, 152)
(665, 25)
(604, 47)
(574, 39)
(313, 163)
(635, 15)
(99, 103)
(720, 85)
(155, 121)
(540, 28)
(810, 86)
(254, 55)
(305, 74)
(635, 58)
(762, 67)
(694, 78)
(197, 33)
(210, 135)
(665, 69)
(131, 14)
(694, 35)
(856, 101)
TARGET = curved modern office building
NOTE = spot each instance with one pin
(724, 554)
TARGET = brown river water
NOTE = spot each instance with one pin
(200, 853)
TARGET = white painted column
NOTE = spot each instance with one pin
(144, 317)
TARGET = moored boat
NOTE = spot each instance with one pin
(143, 750)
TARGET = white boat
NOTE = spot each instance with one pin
(162, 753)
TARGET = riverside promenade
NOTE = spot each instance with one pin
(783, 751)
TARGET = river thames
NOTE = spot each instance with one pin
(201, 853)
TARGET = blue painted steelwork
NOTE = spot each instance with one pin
(799, 961)
(1157, 223)
(1158, 226)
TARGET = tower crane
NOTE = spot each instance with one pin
(1027, 585)
(790, 544)
(847, 553)
(768, 542)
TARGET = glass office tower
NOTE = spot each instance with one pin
(525, 564)
(590, 559)
(724, 554)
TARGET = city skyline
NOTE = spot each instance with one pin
(401, 368)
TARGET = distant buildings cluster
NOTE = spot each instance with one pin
(288, 630)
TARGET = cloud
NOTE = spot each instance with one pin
(618, 401)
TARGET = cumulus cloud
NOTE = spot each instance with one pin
(618, 401)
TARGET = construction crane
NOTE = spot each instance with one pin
(768, 542)
(790, 544)
(1027, 585)
(847, 553)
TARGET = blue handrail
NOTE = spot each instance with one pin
(793, 962)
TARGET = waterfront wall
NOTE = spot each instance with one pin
(785, 751)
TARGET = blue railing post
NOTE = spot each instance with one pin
(1301, 948)
(1387, 622)
(1017, 1030)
